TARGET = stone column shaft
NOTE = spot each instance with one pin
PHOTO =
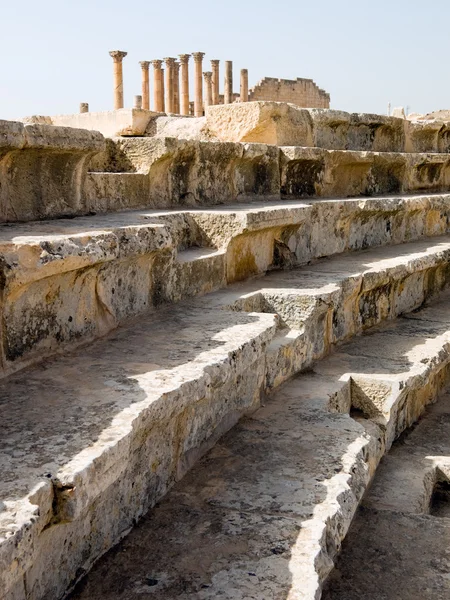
(163, 92)
(208, 88)
(184, 66)
(244, 85)
(198, 99)
(145, 84)
(170, 108)
(228, 90)
(118, 56)
(176, 87)
(215, 80)
(158, 92)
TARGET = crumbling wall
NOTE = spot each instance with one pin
(302, 92)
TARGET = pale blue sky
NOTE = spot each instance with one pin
(364, 53)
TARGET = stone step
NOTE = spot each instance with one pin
(92, 440)
(43, 169)
(321, 305)
(264, 513)
(403, 521)
(123, 264)
(170, 172)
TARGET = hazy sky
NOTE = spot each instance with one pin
(364, 53)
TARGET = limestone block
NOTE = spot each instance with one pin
(338, 130)
(308, 172)
(185, 128)
(43, 169)
(123, 121)
(276, 123)
(188, 173)
(423, 136)
(427, 172)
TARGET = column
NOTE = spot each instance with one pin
(184, 66)
(145, 84)
(137, 102)
(169, 84)
(215, 80)
(176, 87)
(118, 56)
(84, 107)
(208, 88)
(158, 81)
(198, 79)
(244, 85)
(163, 91)
(228, 91)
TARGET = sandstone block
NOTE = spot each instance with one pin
(123, 121)
(174, 172)
(43, 169)
(339, 130)
(276, 123)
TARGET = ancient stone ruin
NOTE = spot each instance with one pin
(213, 329)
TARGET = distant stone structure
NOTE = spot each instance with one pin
(302, 92)
(173, 98)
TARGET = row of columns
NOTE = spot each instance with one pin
(171, 97)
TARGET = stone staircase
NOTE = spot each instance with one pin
(234, 288)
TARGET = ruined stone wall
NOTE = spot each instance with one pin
(302, 92)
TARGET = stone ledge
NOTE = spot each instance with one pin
(169, 172)
(42, 169)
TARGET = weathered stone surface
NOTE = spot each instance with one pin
(300, 91)
(288, 125)
(308, 172)
(91, 440)
(332, 301)
(124, 121)
(169, 394)
(123, 264)
(168, 172)
(339, 130)
(42, 170)
(128, 417)
(276, 123)
(295, 470)
(188, 173)
(403, 534)
(184, 128)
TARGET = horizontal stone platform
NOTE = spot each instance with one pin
(169, 172)
(72, 280)
(92, 440)
(42, 169)
(264, 513)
